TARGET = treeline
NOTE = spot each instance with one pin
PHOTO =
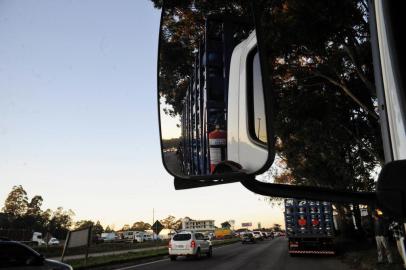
(170, 143)
(25, 215)
(20, 213)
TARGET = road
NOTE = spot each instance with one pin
(172, 162)
(268, 254)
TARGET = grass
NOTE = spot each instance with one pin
(128, 257)
(116, 259)
(55, 251)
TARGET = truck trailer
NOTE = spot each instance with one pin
(205, 102)
(309, 227)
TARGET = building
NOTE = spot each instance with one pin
(206, 225)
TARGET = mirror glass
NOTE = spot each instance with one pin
(211, 99)
(320, 68)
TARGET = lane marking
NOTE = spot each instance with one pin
(148, 263)
(139, 265)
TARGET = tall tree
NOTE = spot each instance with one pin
(126, 227)
(60, 222)
(98, 228)
(170, 222)
(108, 229)
(16, 202)
(34, 206)
(226, 225)
(140, 226)
(82, 224)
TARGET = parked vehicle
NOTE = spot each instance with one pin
(309, 226)
(140, 237)
(53, 242)
(16, 255)
(37, 238)
(109, 237)
(189, 243)
(248, 238)
(25, 236)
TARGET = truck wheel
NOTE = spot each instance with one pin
(210, 252)
(172, 257)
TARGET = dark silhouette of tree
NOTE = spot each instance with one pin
(16, 202)
(226, 225)
(170, 222)
(140, 226)
(98, 228)
(82, 224)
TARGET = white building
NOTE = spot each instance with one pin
(206, 225)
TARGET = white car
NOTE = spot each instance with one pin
(53, 241)
(258, 235)
(188, 243)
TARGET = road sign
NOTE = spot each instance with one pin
(246, 224)
(157, 227)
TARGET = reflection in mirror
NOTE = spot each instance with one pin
(201, 47)
(326, 107)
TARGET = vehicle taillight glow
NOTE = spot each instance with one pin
(193, 244)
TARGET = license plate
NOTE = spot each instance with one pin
(180, 246)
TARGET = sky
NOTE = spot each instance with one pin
(79, 118)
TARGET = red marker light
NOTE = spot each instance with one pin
(302, 222)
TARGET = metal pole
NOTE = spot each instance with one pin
(89, 239)
(65, 247)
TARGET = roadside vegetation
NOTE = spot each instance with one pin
(55, 251)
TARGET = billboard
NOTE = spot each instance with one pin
(246, 224)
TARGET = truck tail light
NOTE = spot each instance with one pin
(193, 244)
(315, 222)
(302, 222)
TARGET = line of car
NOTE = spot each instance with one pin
(252, 237)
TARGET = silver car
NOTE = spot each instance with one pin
(189, 243)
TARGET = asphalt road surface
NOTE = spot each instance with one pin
(172, 162)
(267, 254)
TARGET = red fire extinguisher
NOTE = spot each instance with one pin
(218, 147)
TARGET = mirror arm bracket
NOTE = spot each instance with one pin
(307, 192)
(180, 183)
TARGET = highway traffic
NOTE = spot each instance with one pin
(267, 254)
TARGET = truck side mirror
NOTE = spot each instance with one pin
(213, 126)
(238, 91)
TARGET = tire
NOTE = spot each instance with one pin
(210, 252)
(173, 257)
(197, 255)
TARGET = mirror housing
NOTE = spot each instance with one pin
(203, 118)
